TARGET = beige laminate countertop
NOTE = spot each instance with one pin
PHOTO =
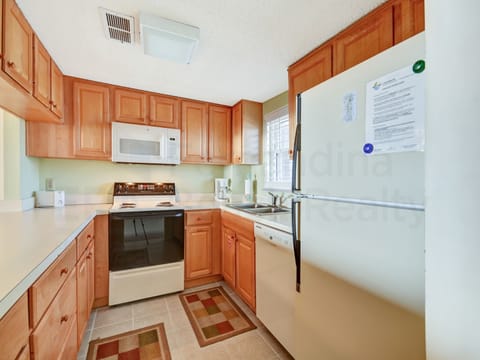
(30, 241)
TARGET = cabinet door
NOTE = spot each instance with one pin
(198, 251)
(101, 260)
(130, 106)
(92, 131)
(194, 132)
(82, 297)
(364, 39)
(14, 329)
(237, 134)
(164, 111)
(56, 90)
(219, 134)
(91, 277)
(41, 86)
(228, 256)
(18, 46)
(48, 338)
(409, 18)
(1, 33)
(303, 75)
(245, 269)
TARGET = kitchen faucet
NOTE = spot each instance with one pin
(274, 199)
(284, 198)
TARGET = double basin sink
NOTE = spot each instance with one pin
(258, 209)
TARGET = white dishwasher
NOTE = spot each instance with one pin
(275, 282)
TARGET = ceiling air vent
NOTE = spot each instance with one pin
(118, 26)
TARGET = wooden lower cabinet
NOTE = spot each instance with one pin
(228, 257)
(245, 268)
(70, 348)
(49, 336)
(85, 289)
(238, 256)
(101, 261)
(202, 245)
(14, 331)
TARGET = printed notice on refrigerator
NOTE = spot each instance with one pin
(395, 111)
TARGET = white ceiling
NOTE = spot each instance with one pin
(244, 51)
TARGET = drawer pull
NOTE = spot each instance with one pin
(64, 318)
(63, 271)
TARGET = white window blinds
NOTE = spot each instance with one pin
(278, 166)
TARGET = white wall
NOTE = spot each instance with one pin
(453, 180)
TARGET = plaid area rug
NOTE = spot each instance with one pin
(214, 316)
(149, 343)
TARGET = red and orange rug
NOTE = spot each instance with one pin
(149, 343)
(214, 316)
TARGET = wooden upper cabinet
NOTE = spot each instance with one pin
(18, 46)
(409, 18)
(367, 37)
(164, 111)
(311, 70)
(91, 121)
(130, 106)
(42, 66)
(194, 131)
(219, 134)
(247, 129)
(56, 100)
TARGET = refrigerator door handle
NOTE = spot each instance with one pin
(296, 148)
(296, 240)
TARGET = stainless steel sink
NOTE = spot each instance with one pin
(258, 209)
(242, 206)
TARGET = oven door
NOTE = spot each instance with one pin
(140, 239)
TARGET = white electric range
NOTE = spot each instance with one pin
(146, 242)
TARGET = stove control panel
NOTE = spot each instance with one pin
(143, 188)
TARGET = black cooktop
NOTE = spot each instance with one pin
(143, 188)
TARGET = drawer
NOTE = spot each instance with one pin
(48, 339)
(199, 217)
(238, 224)
(84, 238)
(69, 350)
(44, 289)
(14, 330)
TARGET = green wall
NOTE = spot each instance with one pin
(21, 172)
(97, 177)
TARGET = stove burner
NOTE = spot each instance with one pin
(127, 205)
(164, 204)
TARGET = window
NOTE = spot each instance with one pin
(278, 166)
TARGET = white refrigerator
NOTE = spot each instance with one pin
(358, 225)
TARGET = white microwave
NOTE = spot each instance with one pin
(145, 144)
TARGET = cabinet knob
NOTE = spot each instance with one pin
(89, 236)
(63, 319)
(10, 64)
(89, 256)
(63, 271)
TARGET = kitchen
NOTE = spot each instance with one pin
(450, 281)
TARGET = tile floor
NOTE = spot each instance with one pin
(255, 344)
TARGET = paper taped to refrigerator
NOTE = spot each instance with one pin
(395, 112)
